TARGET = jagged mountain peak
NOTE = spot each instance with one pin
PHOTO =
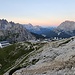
(3, 21)
(30, 24)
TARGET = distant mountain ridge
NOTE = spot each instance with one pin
(37, 29)
(65, 30)
(46, 31)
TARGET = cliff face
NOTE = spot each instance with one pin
(14, 32)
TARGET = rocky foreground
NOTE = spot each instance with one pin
(54, 58)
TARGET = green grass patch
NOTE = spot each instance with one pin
(9, 55)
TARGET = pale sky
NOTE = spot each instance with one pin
(38, 12)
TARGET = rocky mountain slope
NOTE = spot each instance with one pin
(53, 58)
(14, 32)
(67, 27)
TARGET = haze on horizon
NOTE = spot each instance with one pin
(38, 12)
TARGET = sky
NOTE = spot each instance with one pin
(38, 12)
